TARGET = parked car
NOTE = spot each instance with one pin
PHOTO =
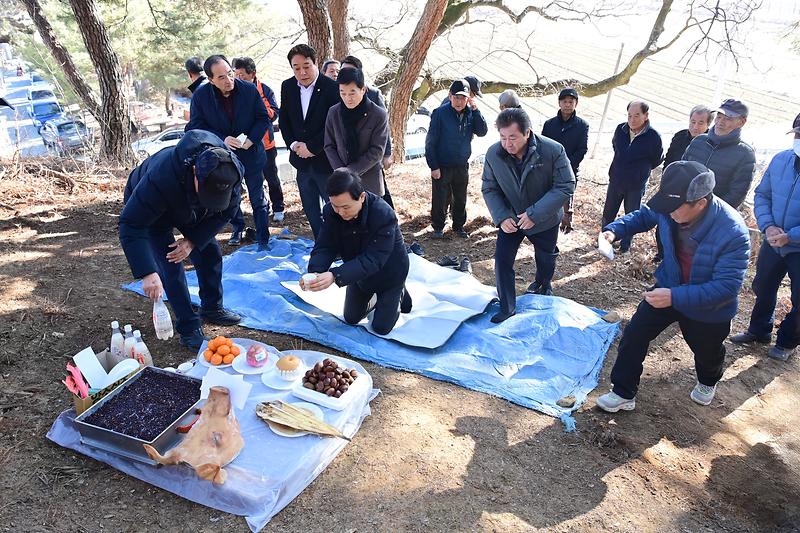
(65, 135)
(35, 78)
(144, 148)
(419, 122)
(43, 110)
(42, 91)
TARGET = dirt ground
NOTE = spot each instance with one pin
(432, 456)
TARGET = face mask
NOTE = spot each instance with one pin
(796, 147)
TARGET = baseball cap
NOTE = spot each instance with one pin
(569, 91)
(217, 176)
(733, 108)
(796, 124)
(460, 87)
(509, 98)
(682, 181)
(474, 84)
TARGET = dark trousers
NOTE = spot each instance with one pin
(630, 198)
(255, 191)
(704, 338)
(357, 305)
(312, 186)
(545, 255)
(273, 181)
(450, 190)
(387, 196)
(771, 268)
(208, 266)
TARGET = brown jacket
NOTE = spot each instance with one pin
(373, 130)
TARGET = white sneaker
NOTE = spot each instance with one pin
(703, 394)
(278, 216)
(613, 402)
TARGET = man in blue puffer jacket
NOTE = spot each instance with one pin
(448, 146)
(776, 206)
(193, 187)
(706, 248)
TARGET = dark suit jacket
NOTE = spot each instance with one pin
(249, 117)
(310, 130)
(377, 98)
(373, 130)
(371, 247)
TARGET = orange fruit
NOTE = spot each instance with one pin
(229, 342)
(216, 360)
(212, 344)
(228, 359)
(223, 350)
(222, 340)
(235, 350)
(208, 354)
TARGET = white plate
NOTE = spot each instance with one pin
(241, 366)
(273, 380)
(203, 361)
(294, 433)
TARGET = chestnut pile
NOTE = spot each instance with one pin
(327, 377)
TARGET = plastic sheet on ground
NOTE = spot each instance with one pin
(552, 348)
(269, 472)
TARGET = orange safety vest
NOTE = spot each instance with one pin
(268, 140)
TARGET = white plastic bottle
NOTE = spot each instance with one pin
(130, 342)
(117, 342)
(162, 320)
(140, 351)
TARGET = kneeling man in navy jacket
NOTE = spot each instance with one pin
(706, 248)
(361, 228)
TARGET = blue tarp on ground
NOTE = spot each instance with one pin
(552, 347)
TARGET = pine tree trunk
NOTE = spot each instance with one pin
(114, 116)
(63, 57)
(318, 27)
(413, 56)
(341, 33)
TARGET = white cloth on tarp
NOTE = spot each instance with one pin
(443, 299)
(269, 472)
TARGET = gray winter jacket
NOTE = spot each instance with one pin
(373, 131)
(732, 161)
(545, 183)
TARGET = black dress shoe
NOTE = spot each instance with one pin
(533, 288)
(193, 340)
(405, 302)
(249, 235)
(502, 316)
(236, 238)
(465, 266)
(220, 317)
(448, 261)
(416, 248)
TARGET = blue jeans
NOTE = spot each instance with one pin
(260, 205)
(545, 255)
(208, 266)
(771, 268)
(312, 186)
(631, 198)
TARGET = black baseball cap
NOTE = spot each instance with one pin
(569, 91)
(460, 87)
(796, 124)
(217, 177)
(682, 181)
(474, 84)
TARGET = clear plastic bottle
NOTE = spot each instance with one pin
(117, 342)
(130, 342)
(140, 351)
(162, 320)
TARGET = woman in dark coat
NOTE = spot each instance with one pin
(356, 132)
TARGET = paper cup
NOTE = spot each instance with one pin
(308, 278)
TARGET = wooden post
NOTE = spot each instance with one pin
(605, 107)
